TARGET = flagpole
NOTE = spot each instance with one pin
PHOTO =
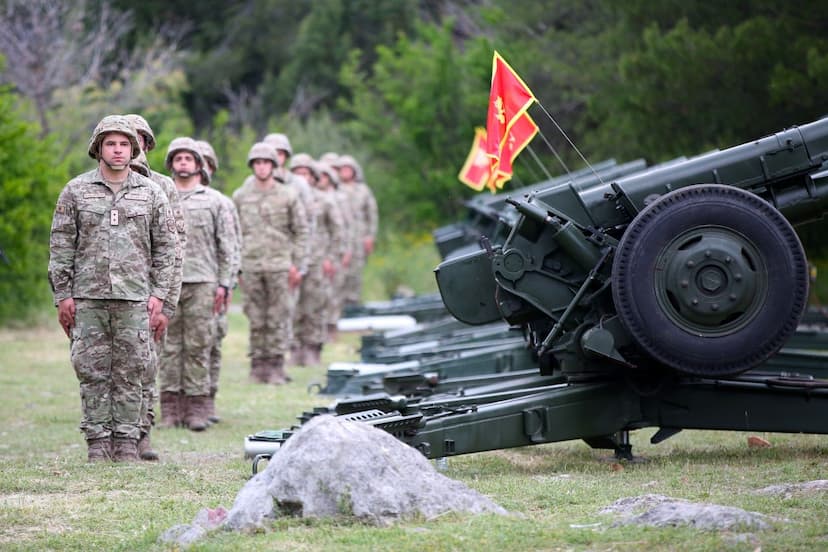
(571, 143)
(538, 161)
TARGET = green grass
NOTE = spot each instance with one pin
(51, 499)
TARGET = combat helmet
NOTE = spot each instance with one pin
(262, 150)
(304, 160)
(140, 164)
(208, 153)
(279, 141)
(329, 157)
(183, 143)
(142, 127)
(113, 123)
(348, 161)
(326, 168)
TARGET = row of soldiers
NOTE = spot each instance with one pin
(143, 267)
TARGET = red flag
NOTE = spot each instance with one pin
(518, 137)
(509, 98)
(476, 171)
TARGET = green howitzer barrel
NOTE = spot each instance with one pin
(693, 266)
(484, 212)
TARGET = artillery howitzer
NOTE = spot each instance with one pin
(655, 299)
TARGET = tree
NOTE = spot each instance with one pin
(49, 45)
(31, 182)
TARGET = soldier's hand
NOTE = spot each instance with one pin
(66, 315)
(218, 303)
(154, 306)
(294, 277)
(368, 242)
(328, 268)
(159, 326)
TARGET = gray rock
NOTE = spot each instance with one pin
(790, 489)
(182, 535)
(335, 467)
(662, 511)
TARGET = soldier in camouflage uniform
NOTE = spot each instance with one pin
(185, 356)
(274, 239)
(326, 251)
(364, 208)
(146, 139)
(211, 166)
(111, 265)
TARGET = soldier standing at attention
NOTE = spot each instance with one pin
(364, 208)
(185, 356)
(274, 239)
(112, 258)
(326, 250)
(146, 139)
(211, 166)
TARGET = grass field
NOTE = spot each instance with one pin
(51, 499)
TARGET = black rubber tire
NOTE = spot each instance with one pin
(759, 336)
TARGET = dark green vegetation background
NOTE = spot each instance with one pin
(401, 85)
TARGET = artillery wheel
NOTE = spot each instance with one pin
(710, 280)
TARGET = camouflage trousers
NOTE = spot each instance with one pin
(334, 310)
(185, 354)
(352, 286)
(267, 305)
(311, 322)
(149, 389)
(220, 332)
(110, 353)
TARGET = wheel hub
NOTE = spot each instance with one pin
(710, 280)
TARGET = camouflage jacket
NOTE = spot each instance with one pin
(330, 239)
(368, 209)
(166, 183)
(210, 240)
(111, 246)
(235, 260)
(352, 237)
(274, 228)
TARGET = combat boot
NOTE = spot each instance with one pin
(99, 450)
(124, 449)
(276, 370)
(195, 417)
(258, 370)
(145, 451)
(313, 354)
(297, 355)
(212, 417)
(171, 411)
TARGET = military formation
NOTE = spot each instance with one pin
(143, 267)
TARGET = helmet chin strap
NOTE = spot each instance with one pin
(182, 174)
(115, 167)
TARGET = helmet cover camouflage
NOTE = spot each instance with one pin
(140, 164)
(142, 127)
(262, 150)
(113, 123)
(326, 169)
(279, 141)
(183, 143)
(348, 161)
(304, 160)
(208, 153)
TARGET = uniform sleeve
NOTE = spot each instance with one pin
(225, 242)
(301, 234)
(163, 243)
(62, 240)
(235, 266)
(171, 301)
(337, 245)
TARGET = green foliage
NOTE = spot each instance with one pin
(31, 182)
(418, 135)
(401, 263)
